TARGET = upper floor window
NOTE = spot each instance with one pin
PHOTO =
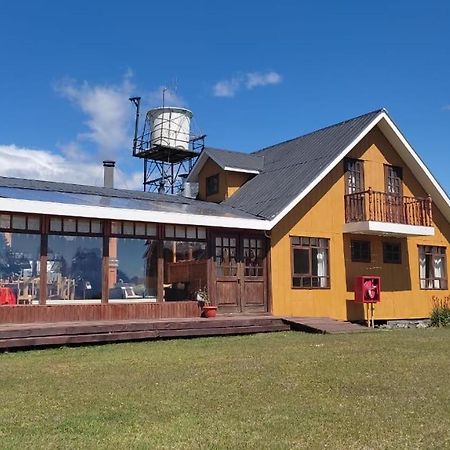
(310, 267)
(212, 184)
(432, 267)
(354, 175)
(393, 177)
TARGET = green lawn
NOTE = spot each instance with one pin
(389, 389)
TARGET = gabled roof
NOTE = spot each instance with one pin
(289, 167)
(293, 168)
(228, 160)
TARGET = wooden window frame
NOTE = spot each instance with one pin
(436, 250)
(185, 236)
(27, 229)
(387, 260)
(63, 232)
(212, 184)
(134, 235)
(360, 257)
(301, 243)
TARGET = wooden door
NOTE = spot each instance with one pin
(394, 194)
(253, 275)
(354, 181)
(227, 273)
(239, 273)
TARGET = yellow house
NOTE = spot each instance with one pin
(353, 199)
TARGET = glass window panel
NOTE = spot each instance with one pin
(128, 228)
(191, 232)
(245, 242)
(296, 240)
(233, 242)
(69, 225)
(170, 230)
(5, 221)
(305, 241)
(259, 243)
(116, 227)
(19, 222)
(96, 226)
(83, 226)
(55, 224)
(34, 223)
(180, 231)
(301, 261)
(74, 269)
(19, 267)
(133, 276)
(218, 241)
(151, 229)
(201, 232)
(185, 269)
(253, 243)
(139, 228)
(226, 242)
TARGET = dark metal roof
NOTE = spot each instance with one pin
(50, 191)
(238, 160)
(289, 167)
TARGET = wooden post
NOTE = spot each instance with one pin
(370, 205)
(105, 261)
(430, 211)
(43, 261)
(160, 272)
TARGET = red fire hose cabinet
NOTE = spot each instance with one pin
(368, 289)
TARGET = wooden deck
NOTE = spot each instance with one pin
(29, 335)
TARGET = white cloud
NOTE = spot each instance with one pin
(249, 80)
(255, 79)
(446, 107)
(107, 109)
(37, 164)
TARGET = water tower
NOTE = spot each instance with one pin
(166, 145)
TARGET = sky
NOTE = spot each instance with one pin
(254, 73)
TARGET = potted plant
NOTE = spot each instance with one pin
(207, 309)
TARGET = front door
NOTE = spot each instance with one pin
(240, 273)
(394, 194)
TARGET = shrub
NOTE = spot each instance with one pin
(440, 314)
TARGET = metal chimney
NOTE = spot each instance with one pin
(108, 174)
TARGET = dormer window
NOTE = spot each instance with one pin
(212, 184)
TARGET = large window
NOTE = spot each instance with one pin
(432, 267)
(133, 269)
(185, 269)
(310, 263)
(19, 268)
(354, 175)
(74, 268)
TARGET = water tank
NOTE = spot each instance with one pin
(170, 127)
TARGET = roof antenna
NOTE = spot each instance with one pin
(164, 89)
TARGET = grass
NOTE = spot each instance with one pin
(390, 389)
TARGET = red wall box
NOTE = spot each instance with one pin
(368, 289)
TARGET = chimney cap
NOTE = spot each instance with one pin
(109, 163)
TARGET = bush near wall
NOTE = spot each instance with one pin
(440, 314)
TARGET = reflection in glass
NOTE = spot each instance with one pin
(74, 268)
(19, 268)
(185, 269)
(133, 269)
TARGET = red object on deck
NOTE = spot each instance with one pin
(7, 296)
(368, 289)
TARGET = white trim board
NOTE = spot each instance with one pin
(103, 212)
(384, 228)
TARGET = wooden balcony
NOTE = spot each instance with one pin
(375, 212)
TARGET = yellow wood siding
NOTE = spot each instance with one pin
(321, 214)
(229, 182)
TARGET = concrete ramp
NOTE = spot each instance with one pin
(323, 325)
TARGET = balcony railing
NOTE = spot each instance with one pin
(383, 207)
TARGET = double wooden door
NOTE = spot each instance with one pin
(239, 275)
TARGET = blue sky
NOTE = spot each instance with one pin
(253, 73)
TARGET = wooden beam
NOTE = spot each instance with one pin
(43, 261)
(105, 261)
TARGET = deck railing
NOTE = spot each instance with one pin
(384, 207)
